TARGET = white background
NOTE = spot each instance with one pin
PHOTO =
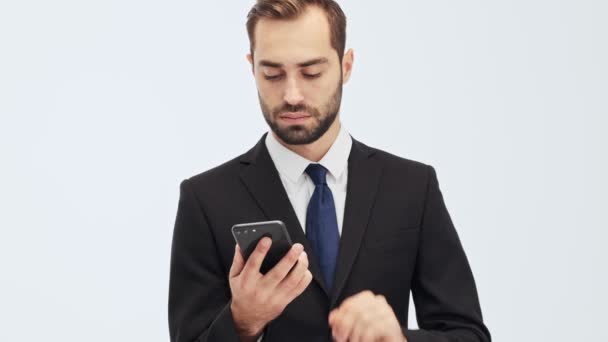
(105, 106)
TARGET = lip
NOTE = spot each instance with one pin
(294, 115)
(300, 120)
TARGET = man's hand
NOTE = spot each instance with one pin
(258, 299)
(365, 317)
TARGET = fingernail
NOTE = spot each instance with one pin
(266, 242)
(298, 247)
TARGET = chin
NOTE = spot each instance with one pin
(295, 136)
(290, 128)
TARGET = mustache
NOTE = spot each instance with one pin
(294, 108)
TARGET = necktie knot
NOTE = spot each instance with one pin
(317, 173)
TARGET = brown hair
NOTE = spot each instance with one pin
(291, 9)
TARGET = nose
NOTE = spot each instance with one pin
(293, 94)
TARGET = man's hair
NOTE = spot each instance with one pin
(291, 9)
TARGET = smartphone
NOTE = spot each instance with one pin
(247, 236)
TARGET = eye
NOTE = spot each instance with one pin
(312, 76)
(273, 77)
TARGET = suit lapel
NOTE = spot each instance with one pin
(262, 179)
(363, 179)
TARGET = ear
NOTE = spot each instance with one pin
(250, 59)
(347, 65)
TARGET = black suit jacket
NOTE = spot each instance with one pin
(397, 236)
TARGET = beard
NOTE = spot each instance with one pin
(302, 134)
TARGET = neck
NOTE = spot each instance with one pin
(316, 150)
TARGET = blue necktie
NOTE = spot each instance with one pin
(322, 225)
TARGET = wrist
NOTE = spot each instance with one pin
(247, 330)
(249, 338)
(246, 336)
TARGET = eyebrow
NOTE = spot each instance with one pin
(305, 64)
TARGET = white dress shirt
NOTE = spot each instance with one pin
(300, 187)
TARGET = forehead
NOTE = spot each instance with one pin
(292, 41)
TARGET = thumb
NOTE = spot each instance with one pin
(238, 263)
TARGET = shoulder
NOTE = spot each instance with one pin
(403, 176)
(226, 173)
(218, 176)
(219, 172)
(394, 164)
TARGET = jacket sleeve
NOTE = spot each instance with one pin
(199, 292)
(443, 288)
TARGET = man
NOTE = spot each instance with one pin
(367, 226)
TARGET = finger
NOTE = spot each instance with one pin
(332, 321)
(332, 316)
(280, 270)
(370, 323)
(252, 266)
(365, 329)
(292, 279)
(344, 324)
(237, 262)
(350, 301)
(369, 335)
(301, 287)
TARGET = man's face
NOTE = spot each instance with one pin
(298, 76)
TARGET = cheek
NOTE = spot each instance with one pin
(329, 84)
(270, 94)
(319, 93)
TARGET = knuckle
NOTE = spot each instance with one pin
(264, 243)
(293, 257)
(338, 322)
(300, 268)
(308, 278)
(358, 315)
(302, 285)
(274, 276)
(292, 282)
(348, 305)
(260, 253)
(369, 335)
(381, 298)
(261, 248)
(366, 320)
(276, 306)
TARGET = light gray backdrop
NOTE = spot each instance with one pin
(105, 106)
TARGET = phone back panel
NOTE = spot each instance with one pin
(248, 235)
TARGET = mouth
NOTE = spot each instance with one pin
(294, 117)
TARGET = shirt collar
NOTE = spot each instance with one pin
(292, 165)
